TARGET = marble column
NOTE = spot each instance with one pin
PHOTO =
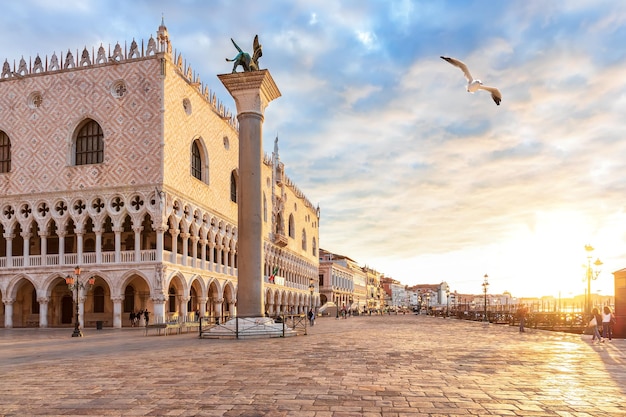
(8, 313)
(117, 312)
(252, 92)
(43, 311)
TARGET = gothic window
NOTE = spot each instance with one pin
(196, 161)
(199, 163)
(233, 187)
(5, 152)
(303, 239)
(89, 146)
(292, 227)
(98, 300)
(314, 247)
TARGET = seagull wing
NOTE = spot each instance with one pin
(495, 93)
(461, 66)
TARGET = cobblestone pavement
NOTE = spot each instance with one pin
(363, 366)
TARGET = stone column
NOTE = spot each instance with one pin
(44, 247)
(43, 311)
(8, 313)
(202, 301)
(9, 249)
(203, 244)
(137, 230)
(158, 303)
(98, 233)
(117, 312)
(252, 92)
(26, 247)
(118, 244)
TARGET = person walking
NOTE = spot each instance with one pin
(607, 323)
(596, 319)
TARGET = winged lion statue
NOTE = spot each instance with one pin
(247, 62)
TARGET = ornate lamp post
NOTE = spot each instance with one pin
(74, 284)
(591, 275)
(485, 285)
(447, 302)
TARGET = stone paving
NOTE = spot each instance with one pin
(403, 365)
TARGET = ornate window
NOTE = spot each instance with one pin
(196, 161)
(292, 227)
(233, 187)
(5, 152)
(303, 239)
(199, 161)
(89, 147)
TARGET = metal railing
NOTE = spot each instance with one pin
(248, 327)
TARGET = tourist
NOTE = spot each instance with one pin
(595, 320)
(311, 317)
(146, 316)
(608, 319)
(132, 319)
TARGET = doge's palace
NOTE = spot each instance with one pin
(120, 161)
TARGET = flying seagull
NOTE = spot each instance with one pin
(472, 84)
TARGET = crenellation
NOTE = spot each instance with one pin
(118, 55)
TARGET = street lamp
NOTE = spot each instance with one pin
(74, 284)
(447, 302)
(591, 275)
(485, 285)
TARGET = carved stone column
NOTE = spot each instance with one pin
(26, 247)
(117, 311)
(9, 248)
(252, 92)
(8, 313)
(43, 311)
(44, 247)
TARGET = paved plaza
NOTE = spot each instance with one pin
(403, 365)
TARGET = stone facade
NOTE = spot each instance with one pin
(155, 220)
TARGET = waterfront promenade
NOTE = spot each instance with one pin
(403, 365)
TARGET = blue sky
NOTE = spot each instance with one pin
(414, 176)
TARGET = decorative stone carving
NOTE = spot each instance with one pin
(84, 59)
(6, 69)
(134, 50)
(22, 69)
(151, 49)
(54, 63)
(117, 53)
(69, 60)
(38, 67)
(102, 57)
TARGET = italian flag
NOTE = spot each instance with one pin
(274, 272)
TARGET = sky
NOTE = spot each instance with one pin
(415, 177)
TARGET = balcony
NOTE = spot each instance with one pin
(280, 240)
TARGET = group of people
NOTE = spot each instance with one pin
(604, 321)
(136, 316)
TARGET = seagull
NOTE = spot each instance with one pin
(472, 84)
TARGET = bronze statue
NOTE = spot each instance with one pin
(243, 58)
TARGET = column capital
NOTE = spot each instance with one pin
(252, 90)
